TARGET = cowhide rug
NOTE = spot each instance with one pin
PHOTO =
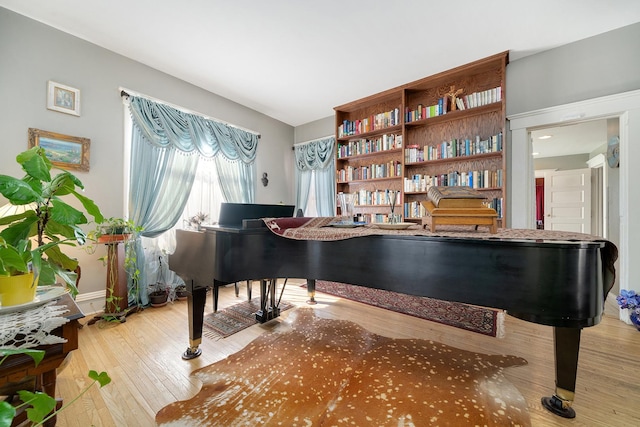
(312, 371)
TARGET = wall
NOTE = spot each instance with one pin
(33, 53)
(569, 83)
(576, 161)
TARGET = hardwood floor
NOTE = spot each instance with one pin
(142, 356)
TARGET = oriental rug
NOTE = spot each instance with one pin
(235, 318)
(472, 318)
(312, 371)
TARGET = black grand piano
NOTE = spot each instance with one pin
(562, 284)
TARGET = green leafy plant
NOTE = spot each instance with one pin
(40, 405)
(47, 218)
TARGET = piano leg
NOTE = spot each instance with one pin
(567, 347)
(196, 299)
(268, 308)
(311, 291)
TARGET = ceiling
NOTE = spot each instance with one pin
(566, 140)
(294, 60)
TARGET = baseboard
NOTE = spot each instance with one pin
(91, 302)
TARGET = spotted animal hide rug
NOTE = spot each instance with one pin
(312, 371)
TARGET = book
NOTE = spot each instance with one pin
(455, 197)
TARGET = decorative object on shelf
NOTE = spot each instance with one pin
(265, 179)
(62, 98)
(613, 152)
(392, 198)
(453, 93)
(630, 300)
(64, 151)
(48, 220)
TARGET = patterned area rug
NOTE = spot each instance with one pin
(235, 318)
(482, 320)
(312, 371)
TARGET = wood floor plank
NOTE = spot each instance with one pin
(142, 356)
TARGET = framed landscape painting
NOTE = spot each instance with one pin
(62, 98)
(64, 151)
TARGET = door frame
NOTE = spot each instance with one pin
(521, 192)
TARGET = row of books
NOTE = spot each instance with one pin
(454, 148)
(414, 209)
(370, 145)
(369, 124)
(478, 99)
(384, 170)
(378, 197)
(473, 179)
(497, 204)
(443, 106)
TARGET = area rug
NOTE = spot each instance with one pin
(482, 320)
(235, 318)
(312, 371)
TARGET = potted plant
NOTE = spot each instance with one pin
(196, 221)
(630, 300)
(158, 294)
(47, 218)
(112, 232)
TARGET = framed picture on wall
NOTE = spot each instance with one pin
(64, 151)
(64, 99)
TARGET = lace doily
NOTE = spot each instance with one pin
(31, 328)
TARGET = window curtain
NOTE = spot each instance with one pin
(166, 146)
(316, 158)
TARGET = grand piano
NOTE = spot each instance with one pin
(559, 283)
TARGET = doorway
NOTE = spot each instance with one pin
(572, 189)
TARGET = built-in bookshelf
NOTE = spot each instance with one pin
(446, 129)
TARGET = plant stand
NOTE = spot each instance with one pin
(116, 298)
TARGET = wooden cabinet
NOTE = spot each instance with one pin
(446, 129)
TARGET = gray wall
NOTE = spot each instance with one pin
(32, 53)
(597, 66)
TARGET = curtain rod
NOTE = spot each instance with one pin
(126, 92)
(312, 140)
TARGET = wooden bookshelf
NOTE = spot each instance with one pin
(474, 131)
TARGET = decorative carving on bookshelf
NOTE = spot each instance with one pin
(453, 95)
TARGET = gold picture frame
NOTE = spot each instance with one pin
(62, 98)
(64, 151)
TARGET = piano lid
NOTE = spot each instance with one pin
(232, 214)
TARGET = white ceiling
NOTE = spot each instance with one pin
(295, 60)
(577, 138)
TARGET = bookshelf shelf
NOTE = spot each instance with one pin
(369, 155)
(458, 114)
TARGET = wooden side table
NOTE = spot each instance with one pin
(20, 369)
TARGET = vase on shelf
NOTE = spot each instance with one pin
(635, 319)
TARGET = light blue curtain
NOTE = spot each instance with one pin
(316, 157)
(166, 146)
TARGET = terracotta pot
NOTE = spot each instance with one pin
(16, 290)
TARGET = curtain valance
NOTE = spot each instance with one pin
(168, 127)
(316, 154)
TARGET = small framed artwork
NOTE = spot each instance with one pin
(64, 99)
(64, 151)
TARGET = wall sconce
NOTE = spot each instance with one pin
(265, 180)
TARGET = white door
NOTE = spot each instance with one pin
(567, 200)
